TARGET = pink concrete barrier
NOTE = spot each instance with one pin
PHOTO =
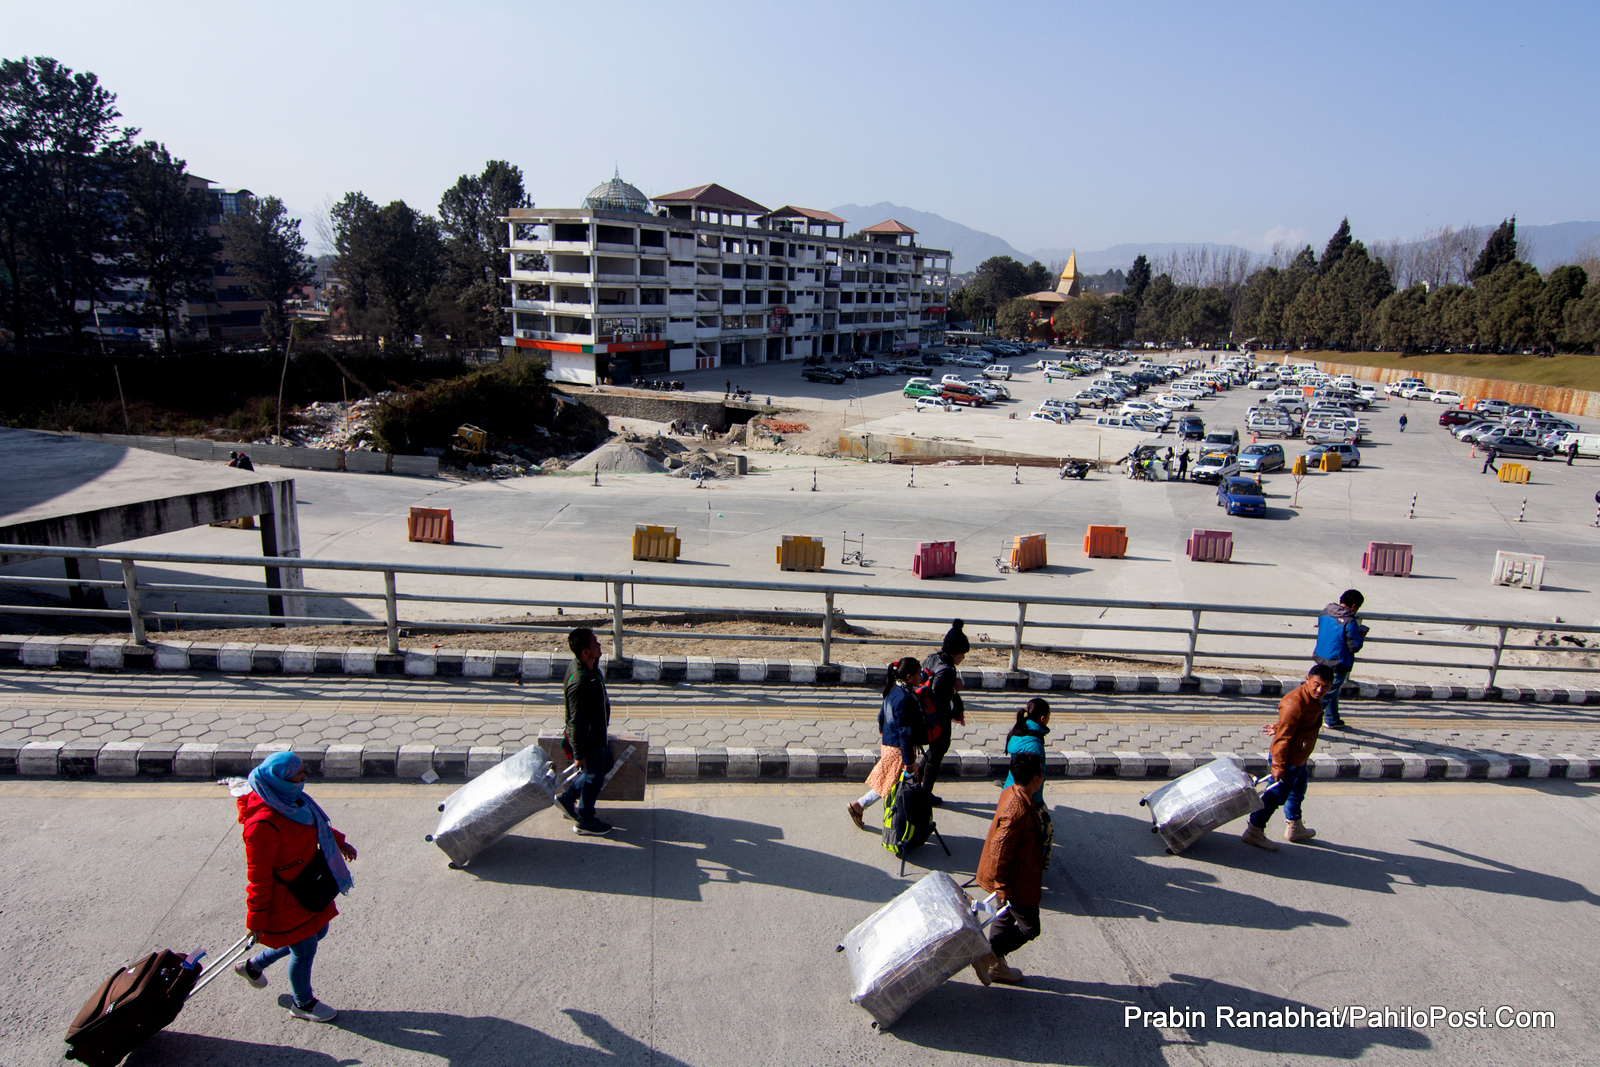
(1210, 546)
(934, 559)
(1387, 558)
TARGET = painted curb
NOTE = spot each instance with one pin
(119, 654)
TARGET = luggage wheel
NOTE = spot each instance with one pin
(428, 837)
(453, 866)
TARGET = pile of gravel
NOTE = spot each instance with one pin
(618, 457)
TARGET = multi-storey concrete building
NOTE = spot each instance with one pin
(704, 277)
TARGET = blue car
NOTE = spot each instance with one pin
(1241, 496)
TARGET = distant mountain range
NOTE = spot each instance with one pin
(1560, 242)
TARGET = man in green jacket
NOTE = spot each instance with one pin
(588, 719)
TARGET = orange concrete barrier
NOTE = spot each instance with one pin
(1026, 552)
(934, 559)
(431, 525)
(1106, 542)
(659, 544)
(800, 553)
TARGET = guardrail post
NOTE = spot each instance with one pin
(1194, 639)
(1499, 647)
(616, 620)
(827, 628)
(1016, 636)
(391, 611)
(130, 585)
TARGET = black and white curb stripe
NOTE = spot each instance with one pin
(120, 654)
(204, 761)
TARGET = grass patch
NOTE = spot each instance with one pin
(1562, 372)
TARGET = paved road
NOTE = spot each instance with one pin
(64, 705)
(703, 933)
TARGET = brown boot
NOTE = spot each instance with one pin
(1006, 974)
(1253, 835)
(984, 968)
(1298, 831)
(856, 811)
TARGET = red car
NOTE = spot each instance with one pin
(1458, 417)
(961, 394)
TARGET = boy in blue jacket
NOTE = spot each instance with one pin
(1340, 636)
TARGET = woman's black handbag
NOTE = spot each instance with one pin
(314, 887)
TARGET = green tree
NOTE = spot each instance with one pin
(391, 258)
(62, 156)
(1498, 251)
(469, 222)
(1564, 285)
(1401, 319)
(1508, 300)
(1348, 296)
(1151, 323)
(998, 279)
(1087, 320)
(1581, 328)
(167, 242)
(1014, 318)
(1336, 245)
(264, 246)
(1138, 280)
(1038, 278)
(1120, 314)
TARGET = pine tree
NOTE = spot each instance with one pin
(1336, 246)
(1138, 280)
(1498, 250)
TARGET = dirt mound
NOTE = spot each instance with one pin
(615, 456)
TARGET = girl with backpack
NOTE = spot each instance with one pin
(901, 727)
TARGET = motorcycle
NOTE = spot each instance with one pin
(1078, 469)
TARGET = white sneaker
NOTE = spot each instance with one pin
(317, 1013)
(256, 979)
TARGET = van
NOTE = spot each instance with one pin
(960, 393)
(1116, 422)
(1588, 443)
(1332, 428)
(1271, 425)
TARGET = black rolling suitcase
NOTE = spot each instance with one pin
(139, 1000)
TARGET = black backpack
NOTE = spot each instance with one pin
(908, 819)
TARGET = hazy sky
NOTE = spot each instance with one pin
(1050, 124)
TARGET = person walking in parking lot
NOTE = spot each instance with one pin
(1572, 451)
(1293, 737)
(588, 719)
(1488, 460)
(1402, 422)
(1340, 636)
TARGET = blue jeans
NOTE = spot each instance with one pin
(1288, 790)
(1330, 699)
(300, 954)
(585, 788)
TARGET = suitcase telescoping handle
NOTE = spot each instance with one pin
(981, 908)
(226, 960)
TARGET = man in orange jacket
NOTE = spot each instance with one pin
(1012, 867)
(1293, 738)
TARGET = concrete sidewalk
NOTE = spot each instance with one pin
(72, 723)
(702, 933)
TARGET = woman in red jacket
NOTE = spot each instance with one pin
(296, 865)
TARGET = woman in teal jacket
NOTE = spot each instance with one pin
(1033, 722)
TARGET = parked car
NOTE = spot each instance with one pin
(961, 393)
(1490, 407)
(1116, 422)
(1473, 431)
(918, 387)
(1191, 428)
(997, 370)
(1047, 415)
(1222, 441)
(822, 374)
(1264, 383)
(1349, 454)
(1261, 457)
(1069, 408)
(936, 402)
(1052, 371)
(1242, 496)
(1521, 448)
(1212, 467)
(1173, 402)
(1447, 396)
(970, 361)
(1457, 417)
(1095, 398)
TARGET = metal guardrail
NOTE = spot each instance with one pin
(1180, 621)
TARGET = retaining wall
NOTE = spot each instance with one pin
(314, 459)
(656, 407)
(1549, 397)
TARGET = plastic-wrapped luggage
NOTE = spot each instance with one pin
(911, 945)
(482, 811)
(1188, 808)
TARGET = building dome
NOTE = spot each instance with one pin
(616, 195)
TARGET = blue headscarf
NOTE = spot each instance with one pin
(270, 780)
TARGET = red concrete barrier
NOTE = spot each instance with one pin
(1383, 557)
(934, 559)
(1210, 546)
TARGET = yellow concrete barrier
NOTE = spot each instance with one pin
(1332, 462)
(1514, 472)
(657, 543)
(800, 553)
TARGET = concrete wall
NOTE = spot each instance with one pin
(655, 407)
(851, 443)
(1549, 397)
(313, 459)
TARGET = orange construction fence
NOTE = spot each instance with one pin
(431, 525)
(1106, 542)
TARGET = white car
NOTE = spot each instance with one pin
(970, 361)
(997, 370)
(952, 379)
(1174, 402)
(935, 403)
(991, 391)
(1447, 396)
(1047, 416)
(1264, 383)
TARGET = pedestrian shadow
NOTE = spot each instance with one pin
(672, 855)
(171, 1048)
(486, 1041)
(1125, 884)
(1057, 1021)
